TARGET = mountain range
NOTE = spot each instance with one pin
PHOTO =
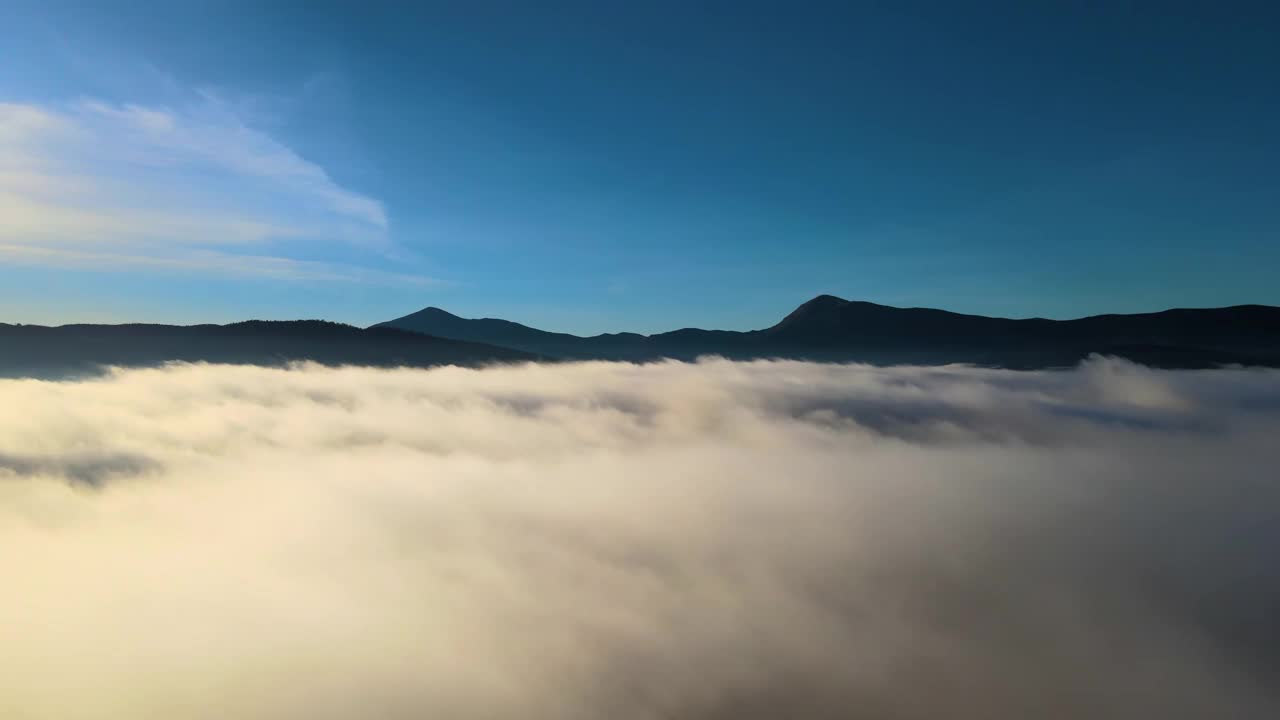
(829, 328)
(826, 328)
(40, 351)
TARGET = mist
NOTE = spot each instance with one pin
(669, 540)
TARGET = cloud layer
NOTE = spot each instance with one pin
(716, 540)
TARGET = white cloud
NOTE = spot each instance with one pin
(141, 182)
(216, 138)
(210, 262)
(720, 540)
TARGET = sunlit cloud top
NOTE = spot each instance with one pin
(604, 540)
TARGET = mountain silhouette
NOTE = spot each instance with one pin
(829, 328)
(37, 350)
(826, 328)
(439, 323)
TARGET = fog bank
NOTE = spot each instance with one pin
(592, 540)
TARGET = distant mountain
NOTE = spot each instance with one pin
(826, 328)
(833, 329)
(437, 322)
(38, 350)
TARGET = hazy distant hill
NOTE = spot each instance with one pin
(68, 349)
(830, 328)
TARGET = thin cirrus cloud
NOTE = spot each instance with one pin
(192, 189)
(211, 262)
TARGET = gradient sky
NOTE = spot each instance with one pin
(642, 166)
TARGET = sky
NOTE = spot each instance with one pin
(604, 166)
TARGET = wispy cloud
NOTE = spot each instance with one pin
(210, 262)
(217, 139)
(165, 187)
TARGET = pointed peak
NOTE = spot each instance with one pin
(831, 302)
(825, 300)
(826, 311)
(433, 310)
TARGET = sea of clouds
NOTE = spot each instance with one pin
(605, 540)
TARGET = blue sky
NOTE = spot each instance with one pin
(606, 166)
